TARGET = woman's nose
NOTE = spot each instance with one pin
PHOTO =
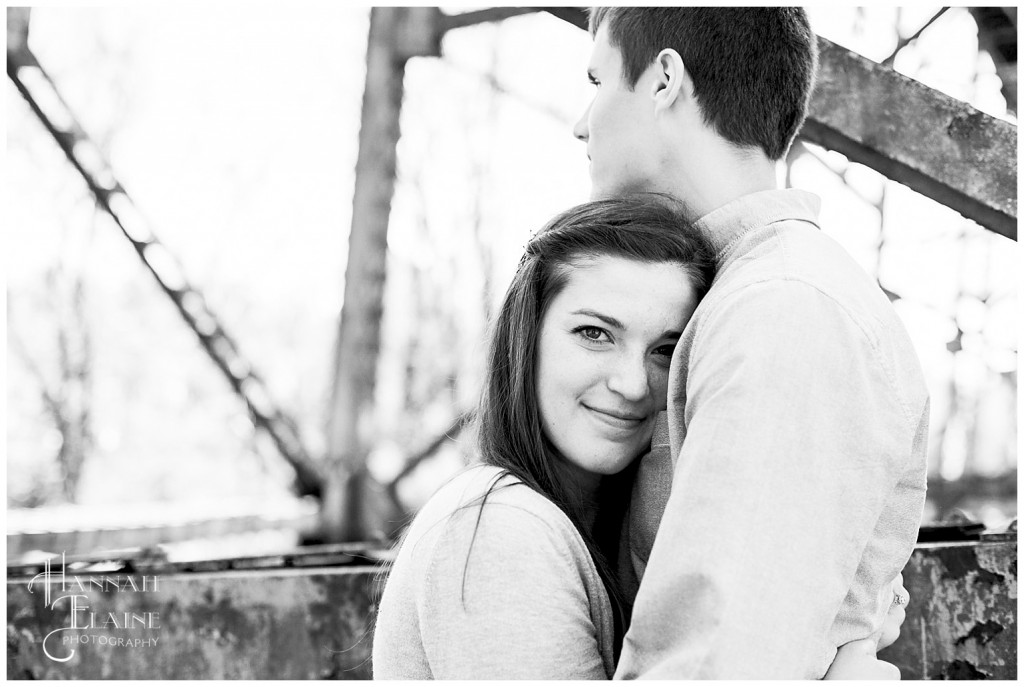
(629, 378)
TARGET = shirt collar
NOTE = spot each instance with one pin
(728, 223)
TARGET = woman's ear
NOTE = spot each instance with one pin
(672, 82)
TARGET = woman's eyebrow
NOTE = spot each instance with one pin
(604, 318)
(611, 321)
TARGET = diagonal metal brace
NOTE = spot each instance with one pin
(86, 157)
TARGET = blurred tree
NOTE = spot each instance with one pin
(66, 392)
(997, 35)
(64, 372)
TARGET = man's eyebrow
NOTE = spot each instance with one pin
(604, 318)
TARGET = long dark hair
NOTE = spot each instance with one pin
(645, 227)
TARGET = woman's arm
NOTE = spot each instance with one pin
(511, 599)
(857, 661)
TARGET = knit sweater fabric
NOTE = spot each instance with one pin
(503, 590)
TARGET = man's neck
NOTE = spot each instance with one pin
(728, 174)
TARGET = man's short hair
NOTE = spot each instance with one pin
(752, 67)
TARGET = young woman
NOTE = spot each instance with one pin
(509, 571)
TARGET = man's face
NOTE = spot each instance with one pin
(618, 126)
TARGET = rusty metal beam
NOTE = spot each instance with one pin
(457, 21)
(577, 16)
(936, 145)
(449, 434)
(396, 34)
(309, 615)
(296, 624)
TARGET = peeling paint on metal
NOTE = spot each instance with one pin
(961, 670)
(962, 618)
(966, 125)
(982, 632)
(317, 623)
(269, 624)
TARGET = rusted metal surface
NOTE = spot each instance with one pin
(154, 561)
(962, 618)
(273, 624)
(939, 146)
(490, 14)
(396, 34)
(305, 622)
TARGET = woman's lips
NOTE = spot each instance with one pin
(617, 418)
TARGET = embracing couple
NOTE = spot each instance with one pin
(702, 435)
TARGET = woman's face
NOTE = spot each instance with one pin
(603, 358)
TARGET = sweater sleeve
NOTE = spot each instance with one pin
(511, 597)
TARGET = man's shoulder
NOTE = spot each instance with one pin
(789, 287)
(790, 262)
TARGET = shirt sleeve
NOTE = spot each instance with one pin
(508, 599)
(795, 437)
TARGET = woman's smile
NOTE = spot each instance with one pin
(624, 420)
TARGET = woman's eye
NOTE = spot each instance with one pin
(592, 333)
(665, 350)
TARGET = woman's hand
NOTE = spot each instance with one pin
(897, 614)
(857, 661)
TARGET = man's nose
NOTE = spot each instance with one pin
(629, 378)
(581, 131)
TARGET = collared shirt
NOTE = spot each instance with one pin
(791, 487)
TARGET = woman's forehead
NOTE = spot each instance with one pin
(632, 291)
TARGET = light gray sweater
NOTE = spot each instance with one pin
(521, 599)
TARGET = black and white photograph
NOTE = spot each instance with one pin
(511, 343)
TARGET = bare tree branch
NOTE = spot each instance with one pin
(449, 434)
(904, 42)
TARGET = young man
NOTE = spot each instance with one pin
(792, 484)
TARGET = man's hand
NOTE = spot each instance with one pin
(897, 614)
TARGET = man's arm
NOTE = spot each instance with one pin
(795, 439)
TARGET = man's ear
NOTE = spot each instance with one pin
(672, 83)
